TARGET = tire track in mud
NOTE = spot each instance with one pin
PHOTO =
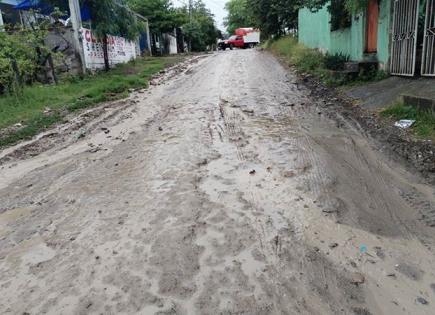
(269, 237)
(171, 221)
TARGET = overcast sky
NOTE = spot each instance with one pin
(216, 7)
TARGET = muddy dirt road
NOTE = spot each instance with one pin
(224, 190)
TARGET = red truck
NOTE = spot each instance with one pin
(246, 37)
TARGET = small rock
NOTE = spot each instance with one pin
(252, 172)
(357, 278)
(422, 300)
(333, 245)
(160, 129)
(288, 174)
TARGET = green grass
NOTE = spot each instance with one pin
(72, 94)
(313, 62)
(424, 125)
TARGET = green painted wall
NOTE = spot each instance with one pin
(350, 41)
(314, 29)
(384, 36)
(315, 32)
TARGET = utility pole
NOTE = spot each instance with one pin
(147, 30)
(1, 21)
(76, 20)
(190, 22)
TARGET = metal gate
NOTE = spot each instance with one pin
(428, 59)
(404, 41)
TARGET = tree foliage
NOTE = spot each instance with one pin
(19, 59)
(161, 14)
(274, 17)
(239, 15)
(200, 29)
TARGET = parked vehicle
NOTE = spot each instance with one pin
(244, 38)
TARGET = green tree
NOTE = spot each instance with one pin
(200, 29)
(161, 14)
(113, 17)
(239, 15)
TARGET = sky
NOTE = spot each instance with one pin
(217, 7)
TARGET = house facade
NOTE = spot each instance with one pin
(399, 35)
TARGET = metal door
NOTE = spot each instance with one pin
(404, 41)
(372, 26)
(428, 58)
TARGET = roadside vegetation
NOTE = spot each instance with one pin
(326, 67)
(39, 106)
(424, 125)
(278, 17)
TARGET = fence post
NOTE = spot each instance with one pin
(76, 20)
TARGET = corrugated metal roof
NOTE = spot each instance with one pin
(11, 2)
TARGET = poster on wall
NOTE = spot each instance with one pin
(120, 50)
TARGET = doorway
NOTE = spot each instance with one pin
(372, 26)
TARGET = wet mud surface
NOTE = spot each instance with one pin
(225, 189)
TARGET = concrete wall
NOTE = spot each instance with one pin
(315, 32)
(384, 32)
(315, 29)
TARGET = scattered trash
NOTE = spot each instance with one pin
(18, 125)
(252, 172)
(404, 123)
(363, 249)
(422, 300)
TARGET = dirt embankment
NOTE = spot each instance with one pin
(399, 144)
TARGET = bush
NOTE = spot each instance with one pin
(325, 67)
(336, 61)
(20, 59)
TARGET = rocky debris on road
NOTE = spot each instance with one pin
(357, 278)
(422, 300)
(73, 123)
(333, 245)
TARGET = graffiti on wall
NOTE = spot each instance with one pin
(120, 50)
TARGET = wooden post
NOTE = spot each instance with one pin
(76, 21)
